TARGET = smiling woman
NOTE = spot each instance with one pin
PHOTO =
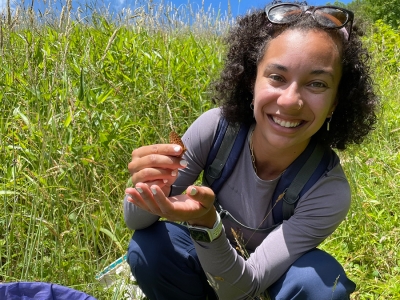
(299, 86)
(295, 91)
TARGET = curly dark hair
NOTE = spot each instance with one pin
(355, 113)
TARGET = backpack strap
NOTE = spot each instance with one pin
(226, 149)
(298, 178)
(293, 191)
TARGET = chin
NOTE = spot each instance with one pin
(289, 143)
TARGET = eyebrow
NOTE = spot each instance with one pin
(277, 66)
(285, 69)
(317, 72)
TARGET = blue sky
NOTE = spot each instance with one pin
(237, 6)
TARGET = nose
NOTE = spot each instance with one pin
(290, 98)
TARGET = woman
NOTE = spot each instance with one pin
(294, 74)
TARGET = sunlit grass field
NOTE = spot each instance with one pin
(80, 89)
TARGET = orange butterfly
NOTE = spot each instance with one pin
(174, 138)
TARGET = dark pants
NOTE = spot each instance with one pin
(164, 262)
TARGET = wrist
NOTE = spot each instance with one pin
(208, 220)
(206, 234)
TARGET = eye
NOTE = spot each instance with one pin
(276, 77)
(318, 84)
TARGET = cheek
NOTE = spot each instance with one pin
(321, 112)
(264, 93)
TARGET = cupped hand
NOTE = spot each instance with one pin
(156, 165)
(196, 206)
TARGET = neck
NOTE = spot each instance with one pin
(271, 162)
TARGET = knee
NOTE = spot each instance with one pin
(315, 275)
(139, 259)
(325, 276)
(144, 251)
(312, 283)
(154, 247)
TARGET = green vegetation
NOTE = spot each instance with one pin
(385, 10)
(367, 242)
(79, 92)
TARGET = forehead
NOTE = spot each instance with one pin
(299, 47)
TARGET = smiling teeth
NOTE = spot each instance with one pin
(286, 124)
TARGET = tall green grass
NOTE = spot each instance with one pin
(80, 89)
(77, 96)
(368, 241)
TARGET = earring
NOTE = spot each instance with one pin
(300, 103)
(252, 108)
(328, 123)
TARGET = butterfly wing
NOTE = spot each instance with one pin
(174, 138)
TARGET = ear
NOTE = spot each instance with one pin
(333, 107)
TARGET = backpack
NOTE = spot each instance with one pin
(303, 173)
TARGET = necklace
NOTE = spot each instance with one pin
(253, 158)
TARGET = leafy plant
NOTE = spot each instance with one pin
(385, 42)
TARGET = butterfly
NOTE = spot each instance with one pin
(174, 138)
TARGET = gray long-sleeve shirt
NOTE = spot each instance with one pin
(248, 198)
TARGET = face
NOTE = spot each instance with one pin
(295, 88)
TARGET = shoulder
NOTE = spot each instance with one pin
(336, 181)
(319, 211)
(210, 118)
(203, 128)
(330, 195)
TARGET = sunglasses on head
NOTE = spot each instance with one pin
(331, 17)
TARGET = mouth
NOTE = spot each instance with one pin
(285, 123)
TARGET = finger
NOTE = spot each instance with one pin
(133, 196)
(165, 206)
(147, 198)
(160, 183)
(202, 194)
(160, 149)
(164, 185)
(154, 176)
(156, 161)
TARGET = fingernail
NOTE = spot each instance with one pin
(183, 163)
(165, 180)
(153, 190)
(130, 199)
(173, 173)
(193, 191)
(139, 190)
(177, 148)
